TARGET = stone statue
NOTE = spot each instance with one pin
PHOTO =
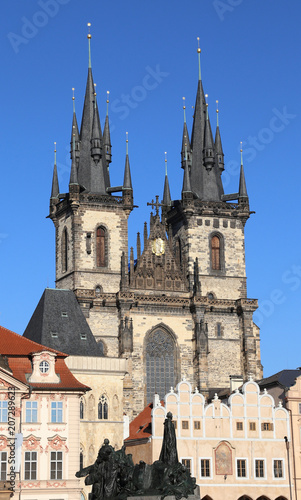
(114, 476)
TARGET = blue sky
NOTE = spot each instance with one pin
(250, 63)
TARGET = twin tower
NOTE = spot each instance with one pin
(180, 309)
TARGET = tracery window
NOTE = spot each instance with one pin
(160, 363)
(216, 253)
(101, 243)
(103, 408)
(65, 251)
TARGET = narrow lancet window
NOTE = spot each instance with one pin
(101, 247)
(216, 253)
(65, 251)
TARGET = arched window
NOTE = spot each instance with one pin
(81, 409)
(101, 243)
(65, 251)
(103, 408)
(81, 458)
(160, 363)
(216, 253)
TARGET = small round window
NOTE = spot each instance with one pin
(44, 366)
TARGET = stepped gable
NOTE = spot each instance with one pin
(158, 268)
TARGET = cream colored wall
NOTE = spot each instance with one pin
(105, 377)
(293, 404)
(218, 424)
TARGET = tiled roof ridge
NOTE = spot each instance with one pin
(26, 340)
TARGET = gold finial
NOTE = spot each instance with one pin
(165, 163)
(216, 106)
(94, 88)
(73, 93)
(241, 161)
(184, 108)
(127, 143)
(127, 136)
(55, 147)
(206, 96)
(89, 34)
(108, 95)
(199, 50)
(199, 58)
(217, 113)
(55, 153)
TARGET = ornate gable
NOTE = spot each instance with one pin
(158, 268)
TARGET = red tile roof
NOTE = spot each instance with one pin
(141, 426)
(13, 344)
(18, 351)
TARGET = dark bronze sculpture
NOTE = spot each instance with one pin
(114, 476)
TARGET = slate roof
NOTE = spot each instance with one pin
(285, 378)
(58, 322)
(18, 350)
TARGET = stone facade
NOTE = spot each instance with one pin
(182, 292)
(105, 378)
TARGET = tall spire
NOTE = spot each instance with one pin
(73, 173)
(209, 159)
(55, 183)
(107, 147)
(242, 181)
(218, 144)
(92, 171)
(186, 180)
(74, 130)
(127, 180)
(185, 140)
(197, 136)
(96, 133)
(166, 191)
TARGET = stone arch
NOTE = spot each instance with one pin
(244, 497)
(281, 498)
(103, 407)
(91, 407)
(102, 236)
(161, 361)
(263, 497)
(207, 497)
(217, 252)
(102, 347)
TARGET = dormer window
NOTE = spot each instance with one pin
(44, 366)
(64, 314)
(83, 336)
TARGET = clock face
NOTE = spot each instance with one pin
(158, 246)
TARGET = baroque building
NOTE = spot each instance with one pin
(181, 307)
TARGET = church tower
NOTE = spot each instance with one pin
(180, 309)
(91, 222)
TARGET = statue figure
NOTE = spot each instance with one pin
(114, 476)
(169, 453)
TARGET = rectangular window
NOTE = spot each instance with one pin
(3, 411)
(197, 425)
(185, 424)
(3, 465)
(219, 329)
(56, 465)
(30, 465)
(205, 467)
(57, 411)
(266, 426)
(31, 411)
(278, 468)
(241, 468)
(187, 463)
(239, 426)
(259, 468)
(252, 426)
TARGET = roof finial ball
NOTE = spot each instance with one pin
(199, 50)
(89, 36)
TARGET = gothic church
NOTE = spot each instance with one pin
(180, 309)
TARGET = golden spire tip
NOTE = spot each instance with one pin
(199, 50)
